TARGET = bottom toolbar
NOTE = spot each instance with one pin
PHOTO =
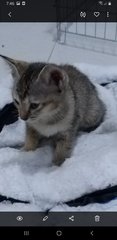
(58, 219)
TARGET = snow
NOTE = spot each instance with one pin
(31, 176)
(27, 41)
(37, 42)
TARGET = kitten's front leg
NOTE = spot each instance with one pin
(32, 139)
(63, 147)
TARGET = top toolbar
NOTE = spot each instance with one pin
(58, 11)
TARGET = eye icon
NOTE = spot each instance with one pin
(19, 218)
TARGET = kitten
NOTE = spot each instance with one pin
(56, 102)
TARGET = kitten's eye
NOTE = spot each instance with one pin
(16, 101)
(34, 105)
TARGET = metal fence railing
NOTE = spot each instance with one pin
(96, 36)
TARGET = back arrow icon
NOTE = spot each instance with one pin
(91, 233)
(9, 14)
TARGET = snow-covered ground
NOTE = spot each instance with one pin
(37, 41)
(93, 164)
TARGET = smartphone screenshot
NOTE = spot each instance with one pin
(58, 119)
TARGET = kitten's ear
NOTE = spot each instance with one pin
(17, 67)
(53, 75)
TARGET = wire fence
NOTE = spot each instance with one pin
(101, 37)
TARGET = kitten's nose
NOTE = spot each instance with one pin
(24, 118)
(23, 115)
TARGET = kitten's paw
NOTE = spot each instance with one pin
(23, 149)
(58, 162)
(28, 148)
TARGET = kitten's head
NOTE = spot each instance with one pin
(38, 88)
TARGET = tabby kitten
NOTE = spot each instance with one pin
(56, 102)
